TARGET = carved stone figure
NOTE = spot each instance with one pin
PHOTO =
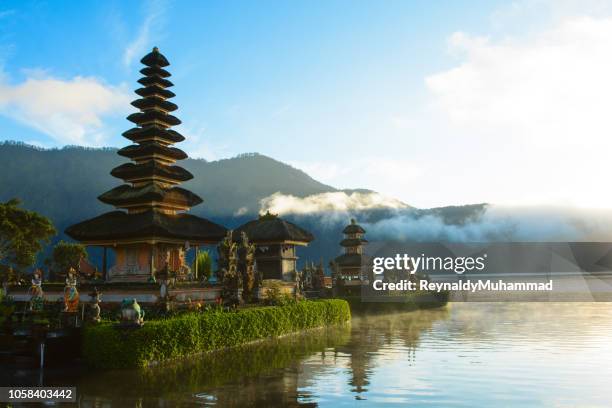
(223, 251)
(233, 259)
(36, 292)
(335, 277)
(231, 279)
(184, 271)
(319, 281)
(258, 275)
(131, 313)
(299, 284)
(71, 294)
(94, 308)
(237, 269)
(247, 264)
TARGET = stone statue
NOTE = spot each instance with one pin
(336, 277)
(71, 294)
(247, 250)
(299, 284)
(319, 281)
(231, 279)
(163, 288)
(94, 308)
(308, 277)
(237, 269)
(184, 271)
(233, 266)
(36, 292)
(223, 251)
(233, 259)
(131, 313)
(258, 275)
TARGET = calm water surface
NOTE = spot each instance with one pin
(466, 355)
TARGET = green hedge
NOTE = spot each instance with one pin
(106, 346)
(191, 376)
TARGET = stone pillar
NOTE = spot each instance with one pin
(195, 263)
(104, 263)
(152, 262)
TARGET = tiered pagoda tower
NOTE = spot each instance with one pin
(349, 265)
(150, 230)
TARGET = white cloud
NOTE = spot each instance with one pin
(341, 202)
(69, 111)
(384, 174)
(241, 211)
(146, 33)
(557, 81)
(499, 223)
(545, 99)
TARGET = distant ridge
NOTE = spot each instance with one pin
(64, 183)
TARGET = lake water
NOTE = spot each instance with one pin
(465, 355)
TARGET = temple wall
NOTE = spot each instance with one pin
(133, 262)
(145, 295)
(289, 267)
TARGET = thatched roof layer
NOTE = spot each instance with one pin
(151, 149)
(353, 228)
(270, 228)
(351, 242)
(128, 195)
(155, 59)
(150, 71)
(138, 134)
(149, 170)
(154, 102)
(352, 260)
(118, 225)
(150, 116)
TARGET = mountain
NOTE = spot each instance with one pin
(63, 184)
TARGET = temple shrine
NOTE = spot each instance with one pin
(150, 230)
(349, 268)
(276, 240)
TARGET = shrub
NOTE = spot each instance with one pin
(66, 255)
(275, 295)
(106, 346)
(204, 265)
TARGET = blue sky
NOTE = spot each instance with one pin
(428, 102)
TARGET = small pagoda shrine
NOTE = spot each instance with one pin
(150, 230)
(275, 240)
(348, 268)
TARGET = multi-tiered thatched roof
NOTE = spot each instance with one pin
(151, 203)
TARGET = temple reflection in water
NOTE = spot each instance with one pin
(464, 355)
(277, 372)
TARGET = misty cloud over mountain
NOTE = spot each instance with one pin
(386, 218)
(63, 184)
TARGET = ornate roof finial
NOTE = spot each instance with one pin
(353, 221)
(155, 49)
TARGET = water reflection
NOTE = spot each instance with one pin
(374, 336)
(535, 354)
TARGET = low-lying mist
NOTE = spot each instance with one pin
(389, 219)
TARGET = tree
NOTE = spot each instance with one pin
(204, 262)
(66, 255)
(22, 234)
